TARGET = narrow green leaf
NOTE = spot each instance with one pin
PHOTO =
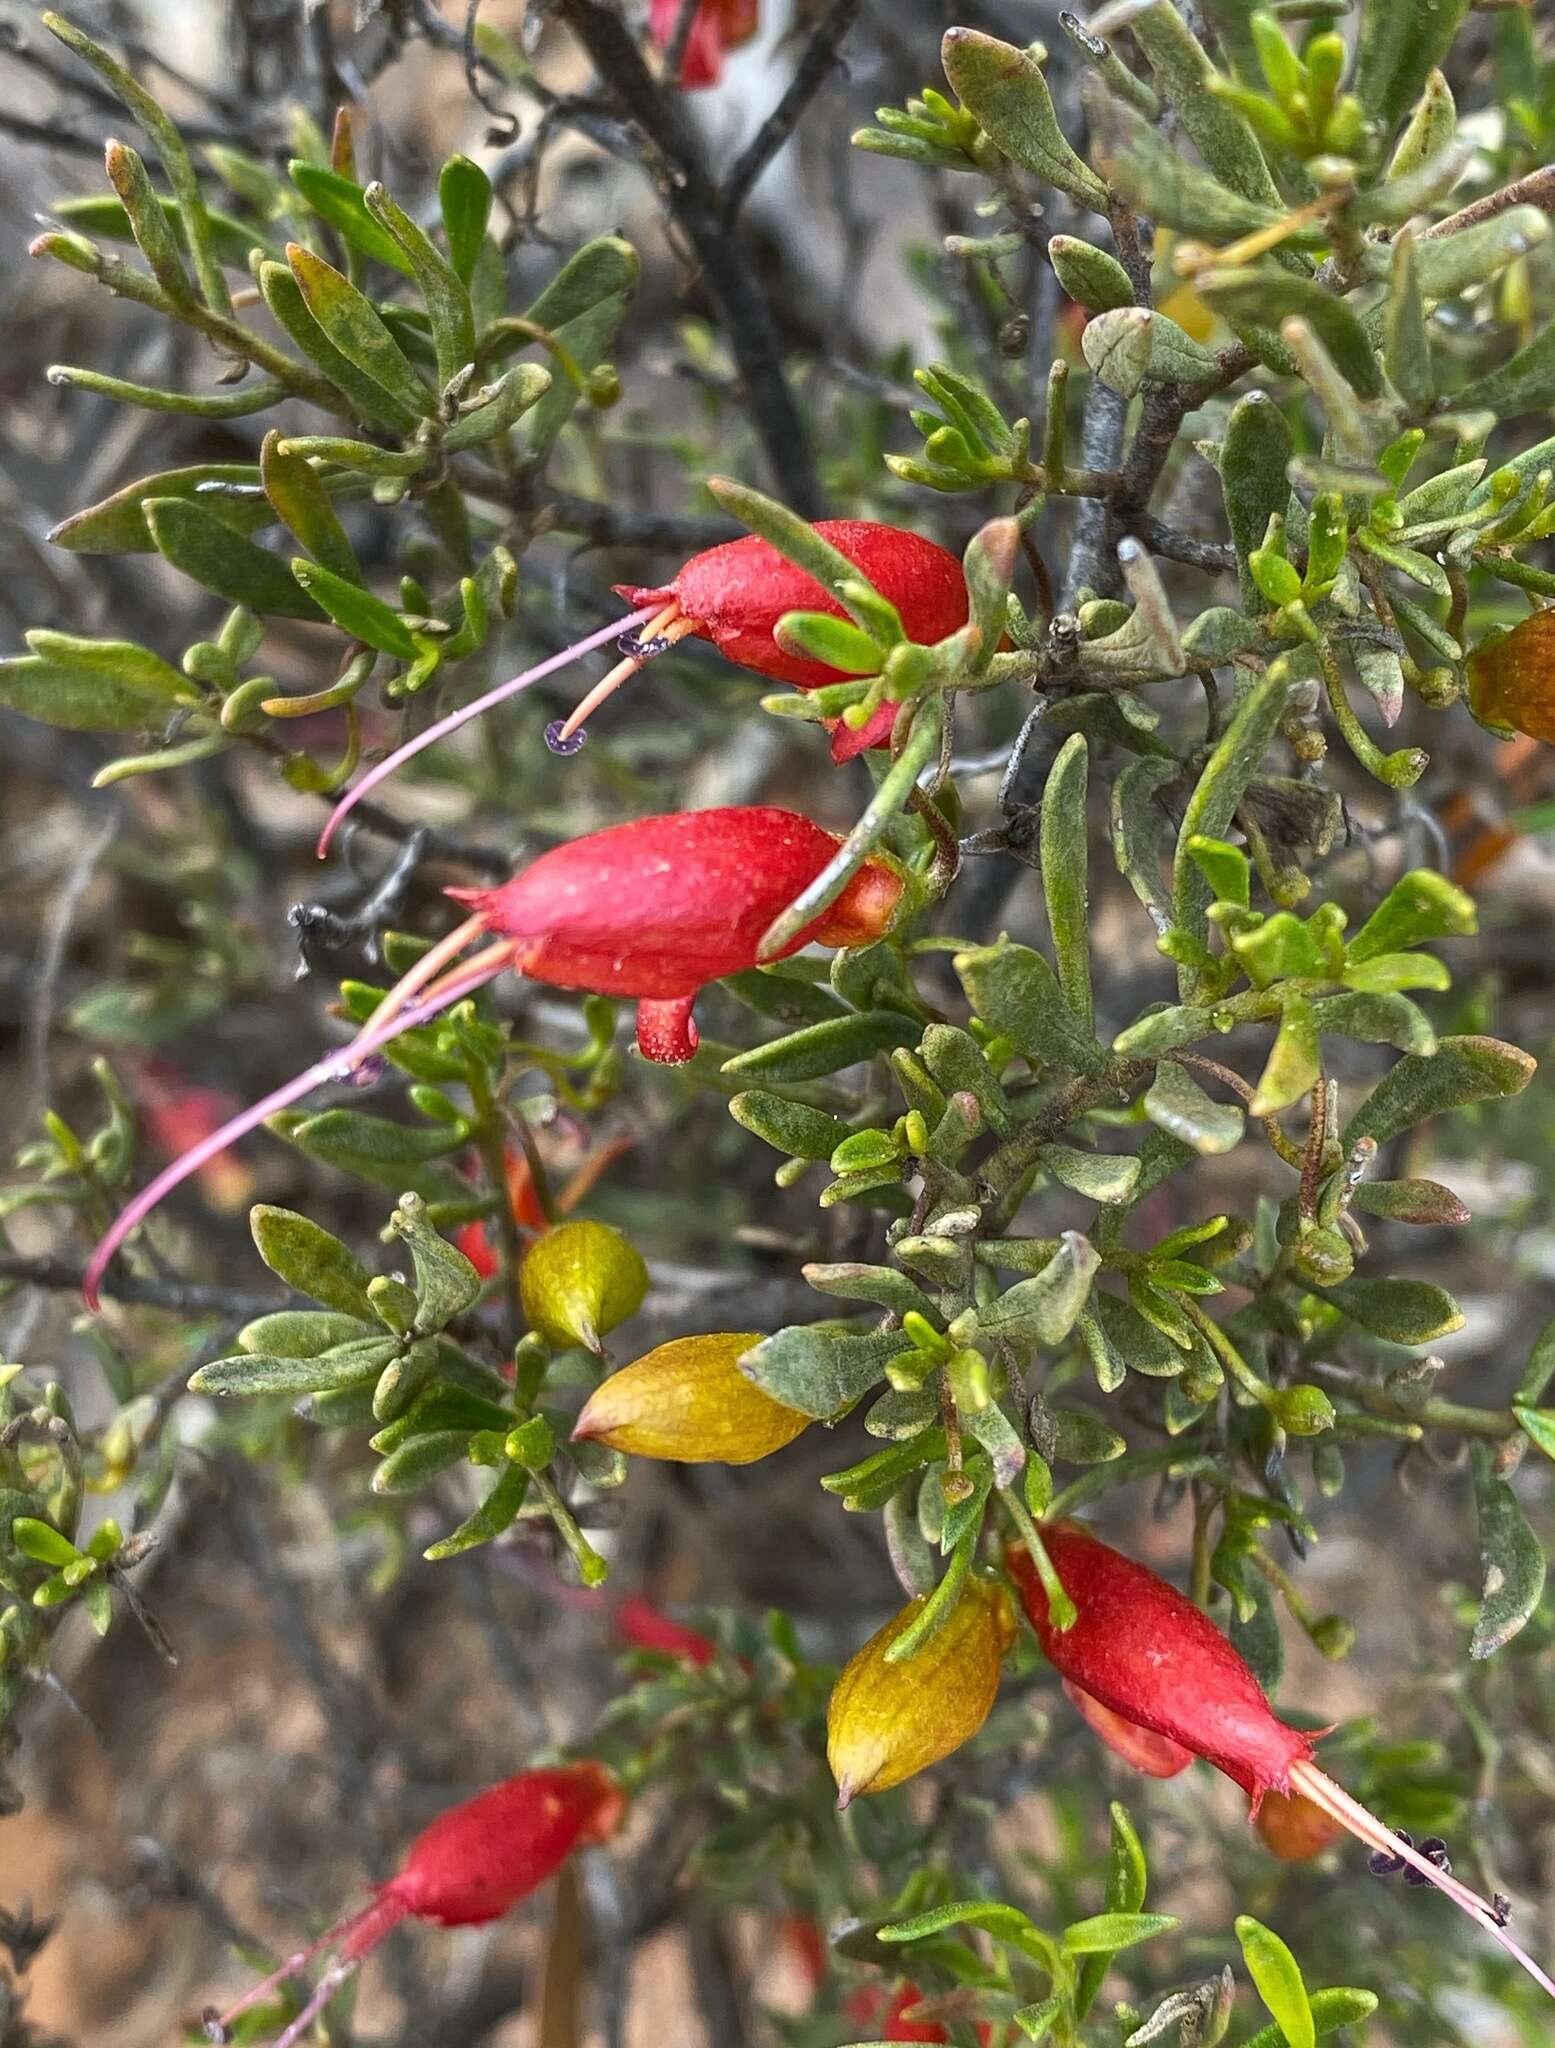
(1219, 131)
(1397, 50)
(103, 217)
(1253, 456)
(824, 1048)
(1214, 802)
(78, 696)
(257, 395)
(1404, 1311)
(1004, 89)
(303, 505)
(42, 1542)
(792, 1127)
(1540, 1369)
(356, 611)
(250, 1373)
(1177, 1103)
(1046, 1307)
(1277, 1975)
(1512, 1567)
(1525, 384)
(354, 326)
(1015, 992)
(496, 1513)
(116, 525)
(1462, 1070)
(306, 1256)
(1270, 297)
(340, 201)
(1064, 854)
(1106, 1933)
(442, 288)
(1406, 349)
(1331, 2010)
(464, 197)
(366, 399)
(1294, 1063)
(222, 561)
(149, 224)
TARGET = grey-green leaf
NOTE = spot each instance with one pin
(1005, 89)
(819, 1369)
(1178, 1105)
(1512, 1565)
(307, 1257)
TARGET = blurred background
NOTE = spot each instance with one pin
(332, 1691)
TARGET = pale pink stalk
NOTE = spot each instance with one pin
(336, 1066)
(382, 770)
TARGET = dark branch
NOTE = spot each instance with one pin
(185, 1297)
(693, 203)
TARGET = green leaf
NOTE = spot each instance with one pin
(1178, 1105)
(1460, 1071)
(464, 197)
(1005, 1923)
(1084, 1439)
(1141, 830)
(1525, 384)
(1220, 790)
(303, 505)
(354, 327)
(446, 1282)
(1105, 1933)
(1294, 1064)
(1410, 1201)
(102, 216)
(341, 202)
(420, 1460)
(1253, 456)
(307, 1257)
(149, 224)
(367, 399)
(1047, 1306)
(42, 1542)
(247, 1373)
(1404, 1311)
(1419, 907)
(303, 1332)
(92, 685)
(824, 1048)
(1090, 276)
(373, 1147)
(886, 1286)
(1004, 89)
(1145, 167)
(1017, 995)
(1064, 857)
(1406, 350)
(837, 642)
(1331, 2009)
(1538, 1425)
(356, 611)
(1378, 1020)
(222, 561)
(517, 392)
(117, 524)
(1276, 1973)
(1539, 1370)
(1132, 346)
(1450, 265)
(1035, 2021)
(1120, 1340)
(442, 289)
(792, 1127)
(1396, 51)
(1270, 297)
(496, 1513)
(1219, 131)
(1280, 948)
(1099, 1176)
(1511, 1559)
(819, 1369)
(603, 270)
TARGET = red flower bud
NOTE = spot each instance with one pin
(658, 908)
(1147, 1653)
(720, 25)
(1156, 1755)
(735, 594)
(472, 1864)
(869, 2007)
(651, 910)
(640, 1623)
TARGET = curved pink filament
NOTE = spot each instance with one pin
(382, 770)
(336, 1066)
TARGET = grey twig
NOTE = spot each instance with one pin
(183, 1297)
(693, 203)
(810, 74)
(58, 925)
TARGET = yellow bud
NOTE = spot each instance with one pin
(1512, 680)
(580, 1280)
(887, 1722)
(689, 1402)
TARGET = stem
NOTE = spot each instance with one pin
(1062, 1612)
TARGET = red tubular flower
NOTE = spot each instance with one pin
(1157, 1756)
(720, 26)
(734, 596)
(472, 1864)
(640, 1623)
(1148, 1654)
(473, 1238)
(652, 910)
(869, 2007)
